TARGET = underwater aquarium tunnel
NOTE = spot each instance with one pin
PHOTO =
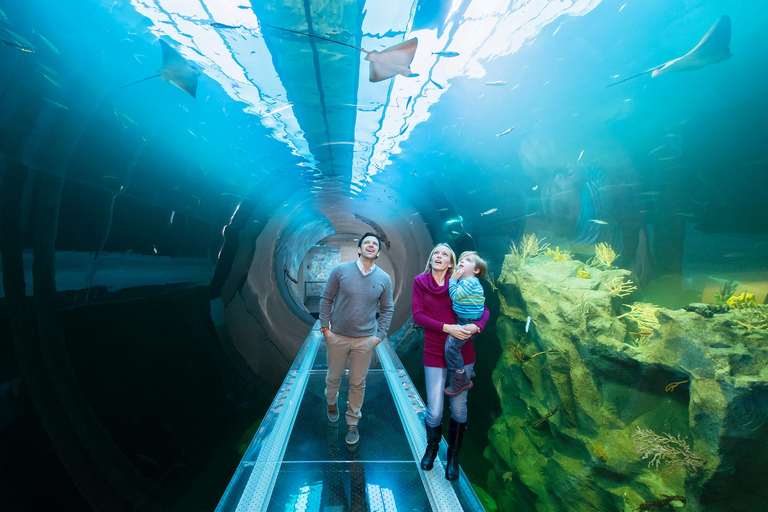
(178, 178)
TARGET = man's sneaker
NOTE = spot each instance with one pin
(333, 413)
(352, 435)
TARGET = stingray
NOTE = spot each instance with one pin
(176, 70)
(713, 48)
(395, 60)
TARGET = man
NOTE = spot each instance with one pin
(348, 322)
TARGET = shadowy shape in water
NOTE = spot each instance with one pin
(176, 70)
(713, 48)
(395, 60)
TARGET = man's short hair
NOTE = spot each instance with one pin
(374, 235)
(480, 263)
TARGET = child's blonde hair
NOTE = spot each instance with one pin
(480, 265)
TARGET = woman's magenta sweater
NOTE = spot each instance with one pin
(432, 309)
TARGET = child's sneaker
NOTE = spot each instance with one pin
(459, 382)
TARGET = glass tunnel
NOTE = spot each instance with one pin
(180, 178)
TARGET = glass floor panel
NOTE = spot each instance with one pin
(298, 460)
(382, 436)
(354, 486)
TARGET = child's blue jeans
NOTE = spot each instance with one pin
(453, 359)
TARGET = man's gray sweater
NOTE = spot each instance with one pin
(349, 302)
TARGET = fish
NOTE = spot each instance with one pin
(509, 130)
(598, 221)
(714, 47)
(446, 54)
(453, 221)
(50, 45)
(535, 187)
(580, 155)
(495, 83)
(527, 324)
(492, 210)
(18, 46)
(379, 232)
(395, 60)
(216, 24)
(64, 107)
(176, 70)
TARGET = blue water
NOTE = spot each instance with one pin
(507, 126)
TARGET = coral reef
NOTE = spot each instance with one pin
(745, 300)
(529, 247)
(673, 451)
(607, 388)
(600, 453)
(644, 315)
(604, 257)
(583, 274)
(753, 318)
(559, 256)
(619, 287)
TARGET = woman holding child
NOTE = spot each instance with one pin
(433, 310)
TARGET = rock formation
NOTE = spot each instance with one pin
(595, 377)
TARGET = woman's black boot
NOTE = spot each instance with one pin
(434, 434)
(455, 436)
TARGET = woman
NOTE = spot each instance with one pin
(433, 310)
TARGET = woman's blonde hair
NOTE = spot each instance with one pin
(451, 265)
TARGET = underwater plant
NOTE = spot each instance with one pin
(726, 292)
(600, 453)
(536, 424)
(582, 274)
(491, 281)
(530, 247)
(745, 300)
(674, 451)
(559, 256)
(618, 287)
(753, 318)
(672, 385)
(517, 353)
(604, 256)
(644, 314)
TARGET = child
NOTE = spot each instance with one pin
(468, 302)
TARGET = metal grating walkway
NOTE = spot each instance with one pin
(298, 460)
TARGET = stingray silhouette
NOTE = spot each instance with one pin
(395, 60)
(176, 70)
(713, 48)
